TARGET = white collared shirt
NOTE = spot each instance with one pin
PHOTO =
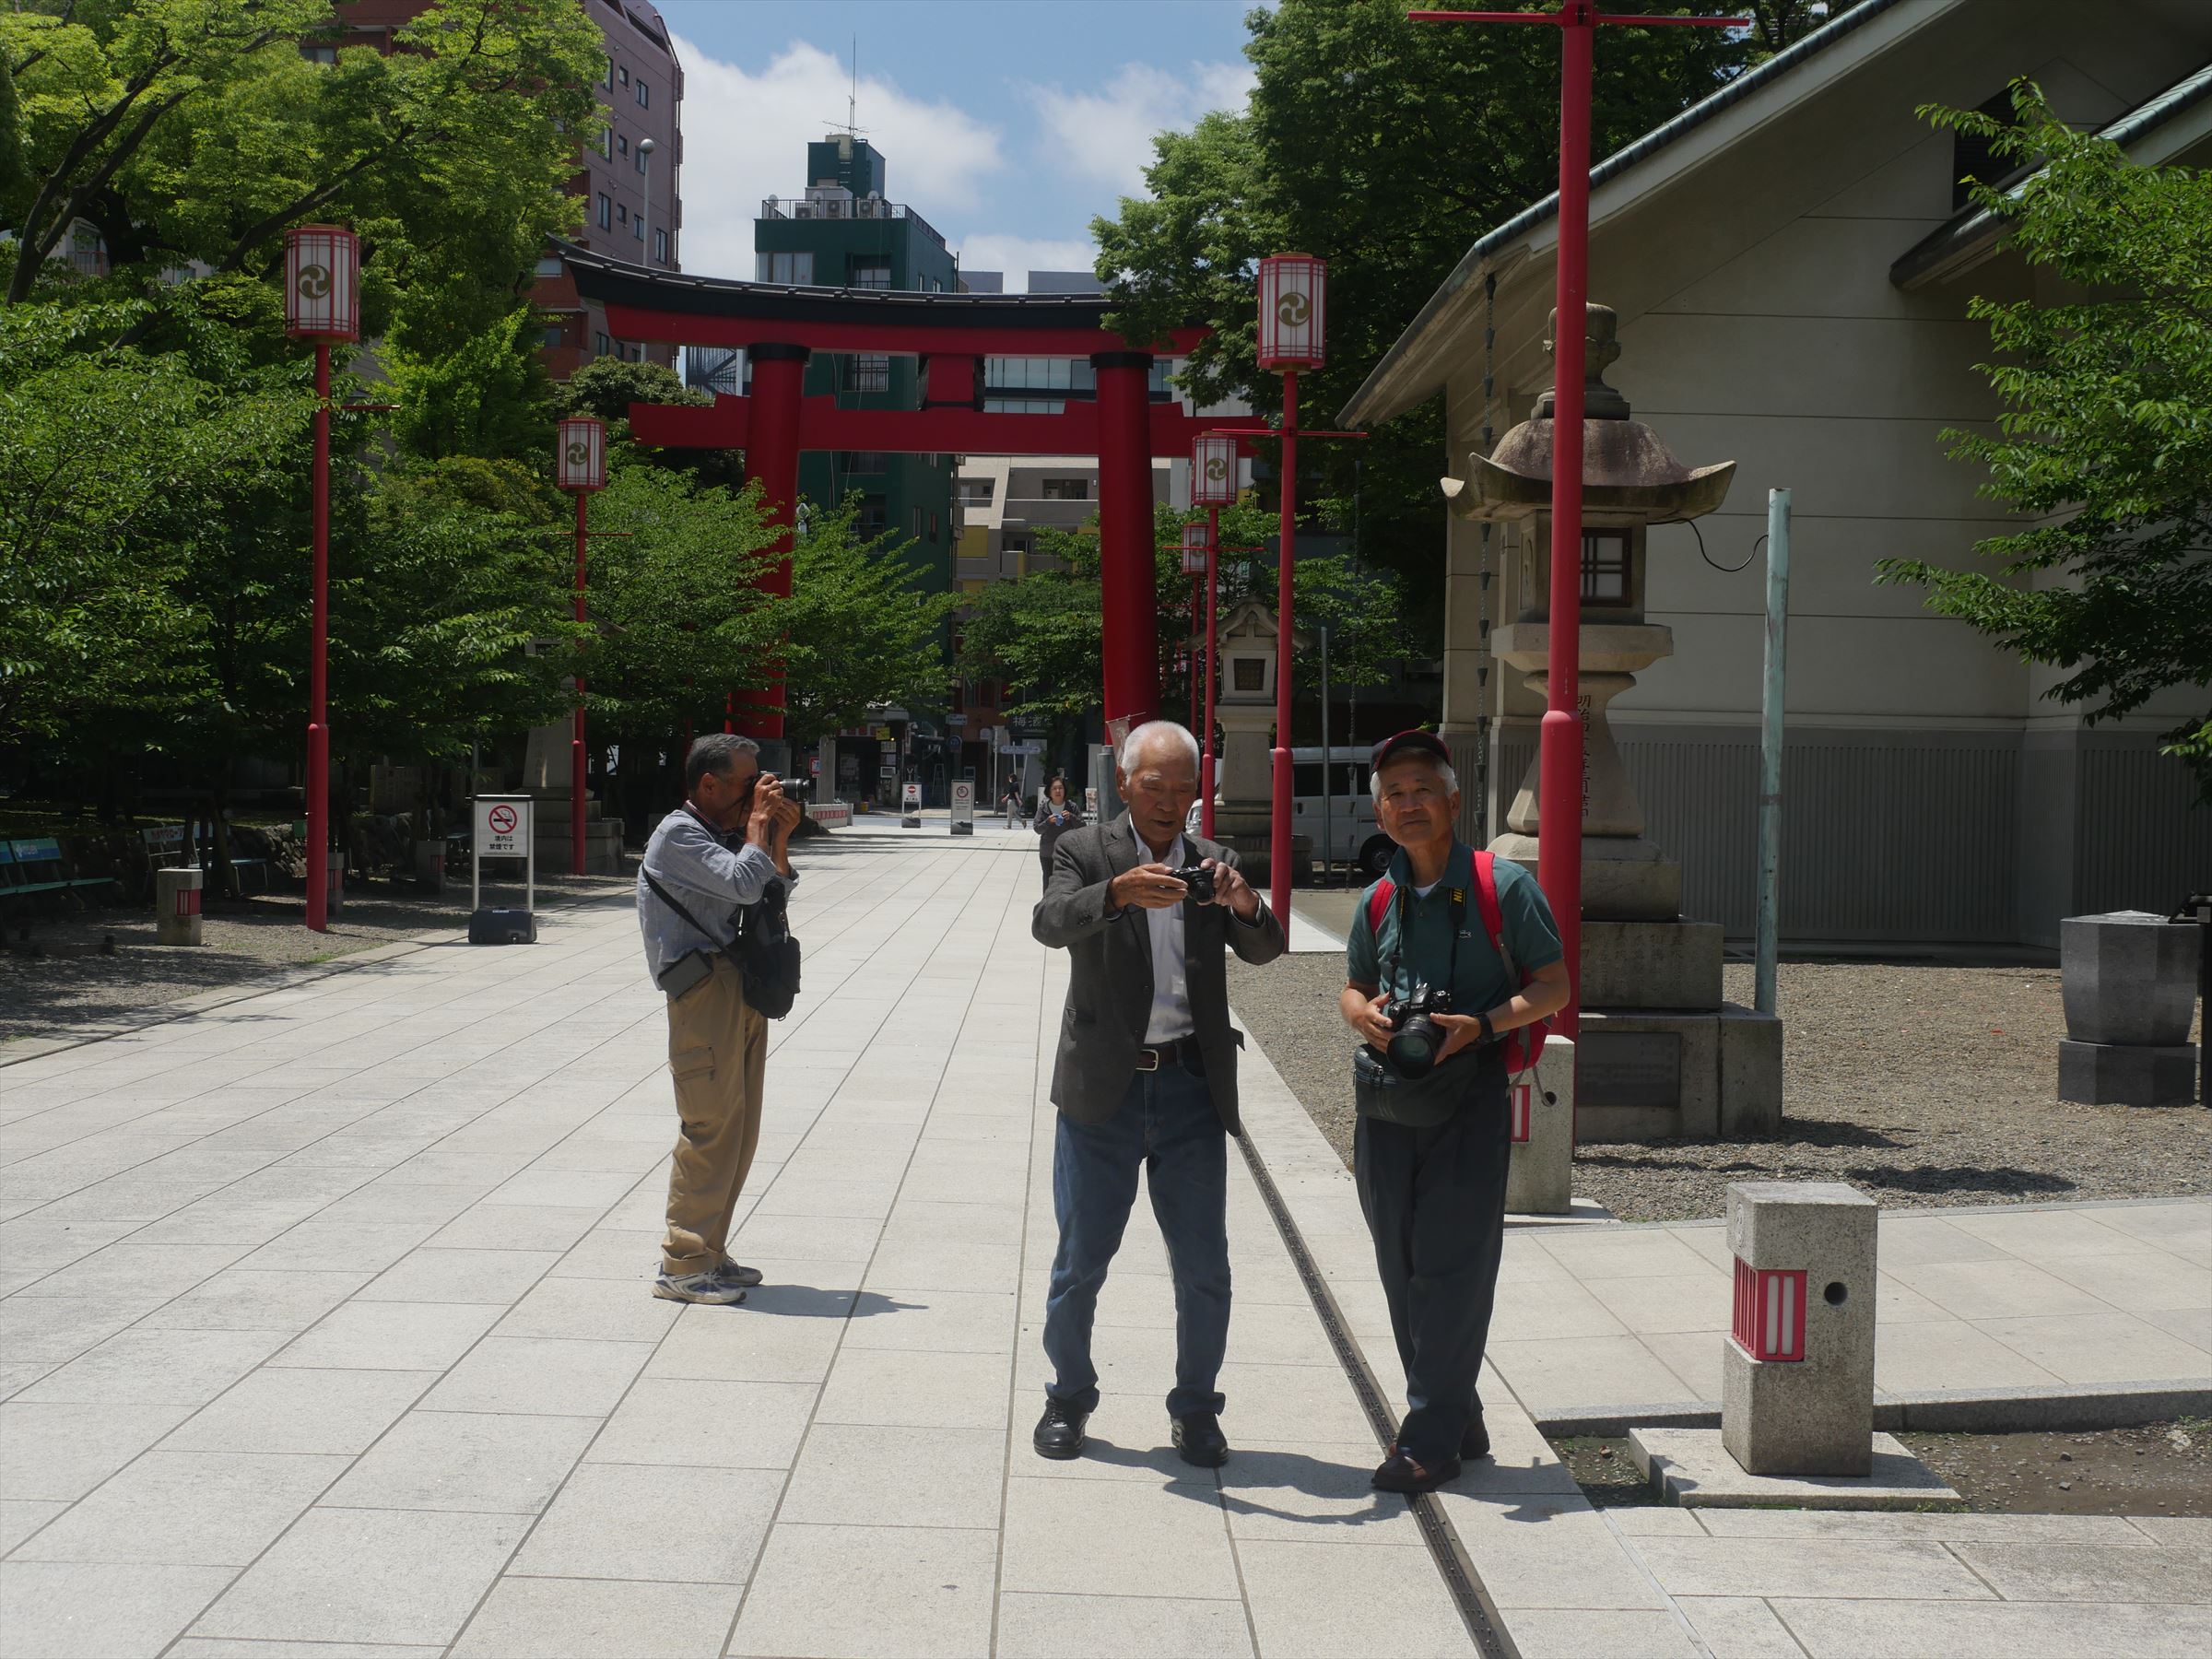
(1170, 1017)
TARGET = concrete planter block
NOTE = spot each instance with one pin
(2108, 1073)
(1751, 1073)
(1650, 964)
(1540, 1171)
(2129, 977)
(177, 907)
(430, 866)
(1797, 1371)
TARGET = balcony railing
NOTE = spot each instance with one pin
(841, 207)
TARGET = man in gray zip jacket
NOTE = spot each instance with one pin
(690, 884)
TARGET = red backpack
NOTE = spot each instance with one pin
(1524, 1045)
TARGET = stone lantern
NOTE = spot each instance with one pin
(1662, 1054)
(1250, 651)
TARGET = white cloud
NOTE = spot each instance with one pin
(1018, 256)
(746, 137)
(1107, 135)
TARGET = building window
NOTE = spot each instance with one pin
(637, 227)
(320, 54)
(621, 144)
(549, 266)
(867, 373)
(1606, 568)
(643, 157)
(621, 213)
(551, 338)
(606, 213)
(862, 461)
(660, 247)
(796, 270)
(875, 518)
(644, 101)
(608, 78)
(977, 492)
(933, 526)
(915, 519)
(602, 345)
(870, 274)
(624, 72)
(1065, 490)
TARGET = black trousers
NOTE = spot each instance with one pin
(1435, 1204)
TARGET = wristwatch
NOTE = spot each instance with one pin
(1489, 1032)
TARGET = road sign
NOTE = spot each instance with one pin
(963, 807)
(909, 804)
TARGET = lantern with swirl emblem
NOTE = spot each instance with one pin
(1214, 472)
(580, 455)
(322, 283)
(1293, 310)
(1193, 549)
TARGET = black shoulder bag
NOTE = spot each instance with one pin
(764, 953)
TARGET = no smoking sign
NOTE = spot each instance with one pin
(502, 828)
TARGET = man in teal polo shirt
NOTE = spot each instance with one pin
(1430, 1150)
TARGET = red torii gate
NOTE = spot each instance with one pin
(781, 327)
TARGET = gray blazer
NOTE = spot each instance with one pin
(1110, 996)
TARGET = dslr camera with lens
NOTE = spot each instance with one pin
(1415, 1038)
(1199, 878)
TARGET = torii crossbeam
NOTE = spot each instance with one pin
(781, 327)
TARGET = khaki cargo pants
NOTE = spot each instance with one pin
(718, 1058)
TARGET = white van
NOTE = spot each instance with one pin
(1353, 837)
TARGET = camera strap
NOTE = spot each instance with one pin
(1459, 916)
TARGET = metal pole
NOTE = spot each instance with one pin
(318, 667)
(1770, 749)
(1328, 842)
(1560, 766)
(1213, 610)
(1278, 838)
(576, 751)
(1190, 653)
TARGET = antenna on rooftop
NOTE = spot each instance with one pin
(851, 99)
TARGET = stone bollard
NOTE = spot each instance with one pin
(1540, 1169)
(430, 866)
(177, 906)
(2129, 983)
(336, 874)
(1798, 1372)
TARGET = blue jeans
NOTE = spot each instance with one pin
(1166, 1122)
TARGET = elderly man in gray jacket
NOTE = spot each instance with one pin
(691, 883)
(1147, 1077)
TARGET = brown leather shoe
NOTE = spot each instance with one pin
(1401, 1472)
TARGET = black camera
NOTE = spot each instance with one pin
(1415, 1036)
(1199, 878)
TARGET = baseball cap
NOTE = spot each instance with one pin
(1408, 742)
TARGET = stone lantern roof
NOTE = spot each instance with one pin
(1629, 477)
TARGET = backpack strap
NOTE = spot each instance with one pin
(1378, 904)
(1493, 919)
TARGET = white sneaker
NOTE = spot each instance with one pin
(698, 1287)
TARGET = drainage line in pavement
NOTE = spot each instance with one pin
(1479, 1613)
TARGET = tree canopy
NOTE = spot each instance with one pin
(2104, 447)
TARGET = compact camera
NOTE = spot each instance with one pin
(1199, 878)
(1415, 1038)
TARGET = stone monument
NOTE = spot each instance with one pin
(2129, 983)
(1661, 1053)
(1244, 709)
(545, 777)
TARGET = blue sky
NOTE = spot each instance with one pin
(1007, 124)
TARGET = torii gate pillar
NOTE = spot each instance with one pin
(771, 455)
(1127, 582)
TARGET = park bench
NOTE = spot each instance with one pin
(29, 867)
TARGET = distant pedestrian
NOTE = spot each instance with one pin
(1429, 1148)
(691, 883)
(1057, 815)
(1146, 1078)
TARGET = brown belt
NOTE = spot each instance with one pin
(1184, 1051)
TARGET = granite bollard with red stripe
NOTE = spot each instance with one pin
(1797, 1365)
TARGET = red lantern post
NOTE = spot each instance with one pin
(1559, 803)
(1293, 310)
(321, 302)
(1213, 487)
(580, 467)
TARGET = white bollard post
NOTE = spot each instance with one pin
(177, 906)
(1798, 1368)
(1540, 1167)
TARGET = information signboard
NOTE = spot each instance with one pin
(503, 830)
(910, 805)
(963, 807)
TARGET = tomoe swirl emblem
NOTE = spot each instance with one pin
(1293, 310)
(315, 281)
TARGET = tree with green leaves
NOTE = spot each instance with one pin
(1385, 147)
(2104, 447)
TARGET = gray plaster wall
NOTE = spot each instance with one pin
(1916, 837)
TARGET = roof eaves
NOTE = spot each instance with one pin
(1959, 241)
(1620, 161)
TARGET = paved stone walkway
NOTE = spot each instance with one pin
(323, 1331)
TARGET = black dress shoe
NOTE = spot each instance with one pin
(1402, 1473)
(1475, 1444)
(1199, 1440)
(1059, 1432)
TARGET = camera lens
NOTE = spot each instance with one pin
(1412, 1051)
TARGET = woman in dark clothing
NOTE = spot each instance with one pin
(1057, 815)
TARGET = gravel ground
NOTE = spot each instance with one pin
(74, 988)
(1920, 1084)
